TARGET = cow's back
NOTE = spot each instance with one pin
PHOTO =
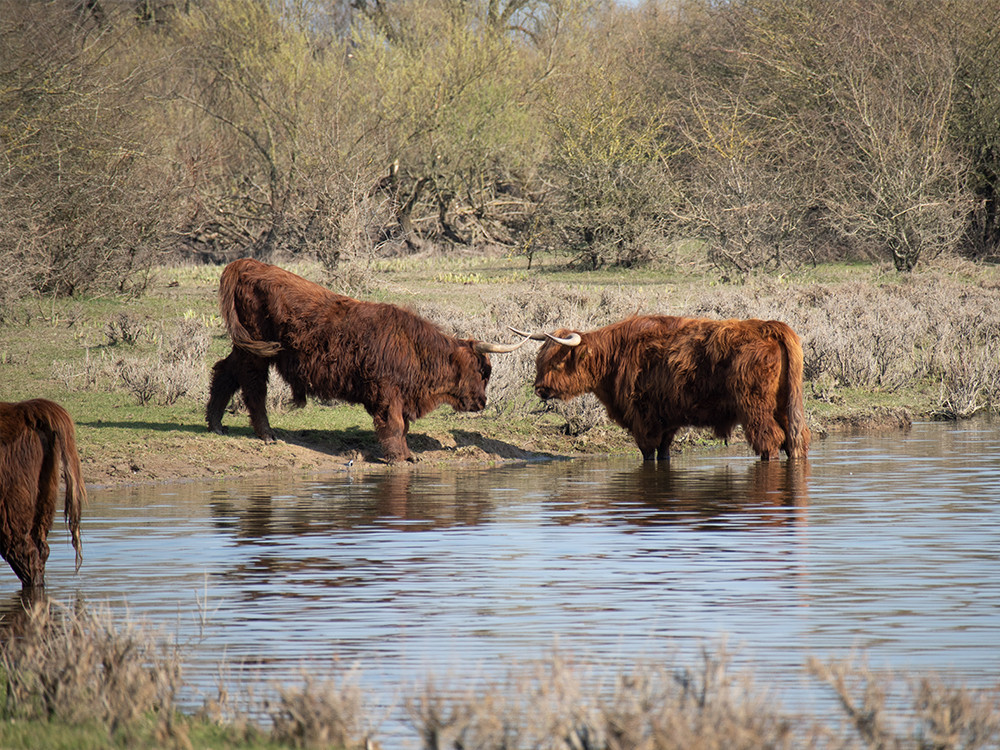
(695, 371)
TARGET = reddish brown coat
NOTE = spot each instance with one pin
(397, 364)
(655, 374)
(36, 437)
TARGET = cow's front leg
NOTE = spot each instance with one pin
(764, 435)
(22, 555)
(663, 452)
(390, 429)
(647, 445)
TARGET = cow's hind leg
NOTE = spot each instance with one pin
(244, 371)
(764, 434)
(224, 384)
(253, 382)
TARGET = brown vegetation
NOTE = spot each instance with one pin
(773, 132)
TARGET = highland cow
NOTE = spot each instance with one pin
(36, 437)
(655, 374)
(398, 365)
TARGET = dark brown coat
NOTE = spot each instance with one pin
(36, 437)
(397, 364)
(655, 374)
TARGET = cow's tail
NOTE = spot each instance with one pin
(797, 439)
(228, 286)
(76, 492)
(51, 418)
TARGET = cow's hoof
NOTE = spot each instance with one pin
(218, 429)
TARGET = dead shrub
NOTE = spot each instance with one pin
(124, 329)
(970, 378)
(319, 714)
(80, 665)
(176, 370)
(557, 705)
(939, 716)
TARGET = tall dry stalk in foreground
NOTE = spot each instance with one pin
(940, 716)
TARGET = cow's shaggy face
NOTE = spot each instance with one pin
(472, 370)
(558, 371)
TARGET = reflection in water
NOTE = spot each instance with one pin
(351, 503)
(890, 540)
(765, 493)
(14, 609)
(762, 493)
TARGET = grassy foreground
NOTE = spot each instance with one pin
(76, 679)
(880, 349)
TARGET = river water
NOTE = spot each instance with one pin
(888, 544)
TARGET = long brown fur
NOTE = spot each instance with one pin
(397, 364)
(36, 437)
(655, 374)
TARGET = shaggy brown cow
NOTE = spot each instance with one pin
(395, 363)
(655, 374)
(35, 436)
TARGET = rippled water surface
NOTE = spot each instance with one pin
(889, 544)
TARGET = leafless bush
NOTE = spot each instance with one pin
(140, 377)
(175, 370)
(557, 705)
(969, 376)
(942, 716)
(124, 329)
(582, 414)
(319, 714)
(81, 665)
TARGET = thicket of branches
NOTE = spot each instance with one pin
(774, 132)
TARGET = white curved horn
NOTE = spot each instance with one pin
(573, 339)
(488, 348)
(532, 336)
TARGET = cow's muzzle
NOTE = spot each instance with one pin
(544, 393)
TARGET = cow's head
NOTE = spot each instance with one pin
(560, 370)
(472, 375)
(472, 372)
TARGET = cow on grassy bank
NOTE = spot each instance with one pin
(37, 438)
(655, 374)
(395, 363)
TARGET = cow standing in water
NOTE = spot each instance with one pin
(37, 437)
(395, 363)
(656, 373)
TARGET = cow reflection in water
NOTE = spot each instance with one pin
(362, 501)
(764, 494)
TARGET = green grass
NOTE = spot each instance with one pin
(191, 732)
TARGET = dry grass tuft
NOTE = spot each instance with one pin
(652, 707)
(939, 717)
(319, 714)
(81, 666)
